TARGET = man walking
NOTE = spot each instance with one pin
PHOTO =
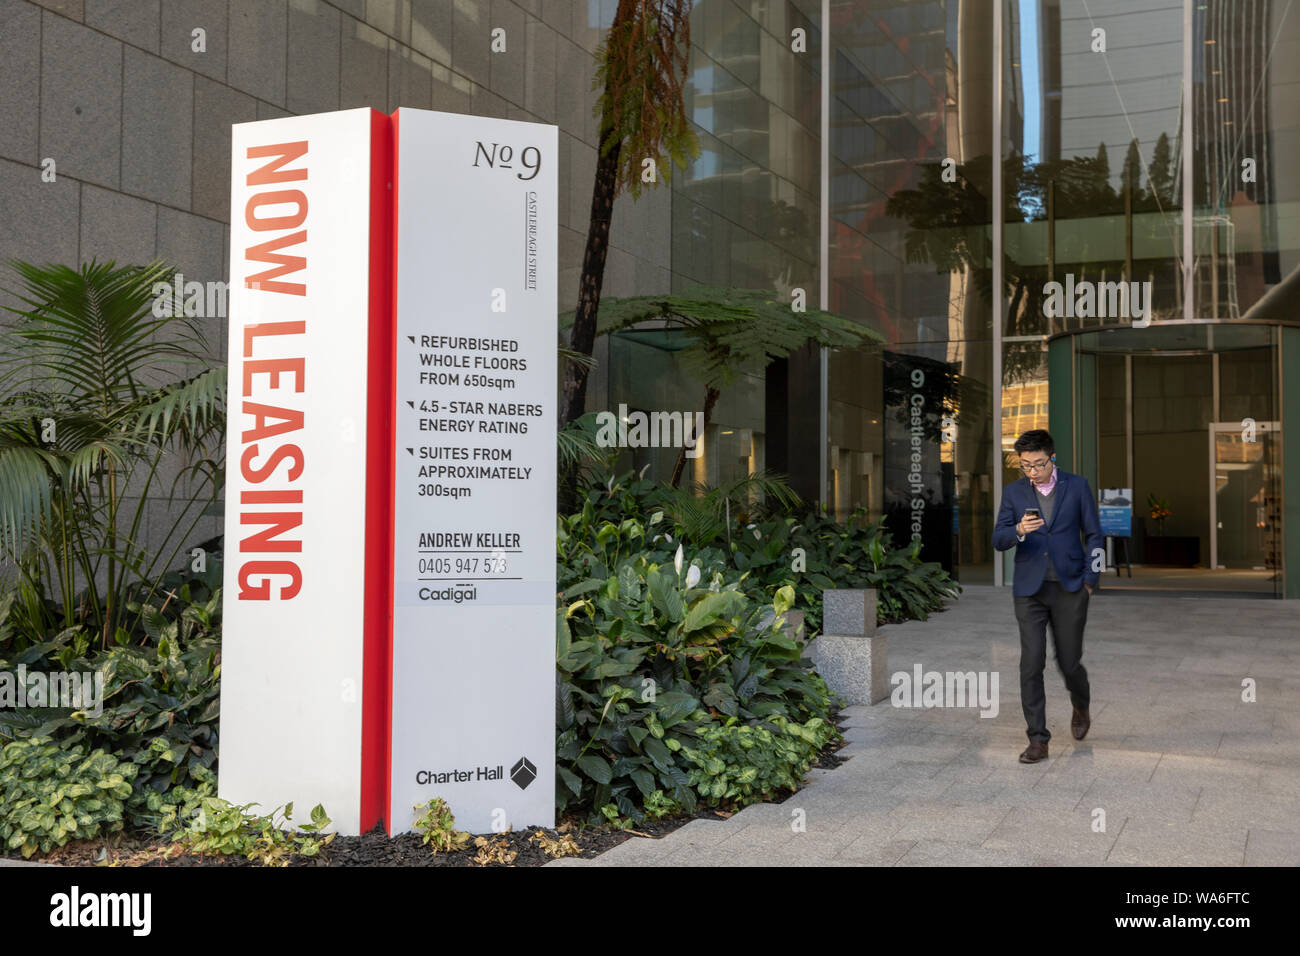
(1043, 516)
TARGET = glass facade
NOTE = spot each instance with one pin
(1052, 211)
(1246, 129)
(744, 215)
(909, 254)
(1064, 214)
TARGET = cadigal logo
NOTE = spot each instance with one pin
(455, 595)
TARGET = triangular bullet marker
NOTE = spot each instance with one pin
(412, 338)
(411, 450)
(412, 404)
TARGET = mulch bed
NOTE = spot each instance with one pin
(376, 848)
(830, 757)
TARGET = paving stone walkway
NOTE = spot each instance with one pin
(1185, 772)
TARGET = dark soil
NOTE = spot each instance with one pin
(376, 848)
(572, 837)
(830, 758)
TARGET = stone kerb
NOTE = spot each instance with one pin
(849, 653)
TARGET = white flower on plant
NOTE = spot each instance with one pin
(692, 576)
(677, 561)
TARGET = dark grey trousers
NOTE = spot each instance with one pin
(1067, 612)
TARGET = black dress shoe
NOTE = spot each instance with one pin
(1036, 751)
(1079, 723)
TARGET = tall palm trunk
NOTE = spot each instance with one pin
(583, 337)
(603, 192)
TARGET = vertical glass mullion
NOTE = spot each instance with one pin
(998, 317)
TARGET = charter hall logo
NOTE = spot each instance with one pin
(523, 772)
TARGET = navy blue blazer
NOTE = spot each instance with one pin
(1068, 540)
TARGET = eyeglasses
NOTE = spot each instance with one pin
(1035, 467)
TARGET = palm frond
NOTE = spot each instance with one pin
(730, 331)
(99, 339)
(766, 485)
(705, 513)
(195, 404)
(577, 358)
(26, 495)
(84, 465)
(576, 441)
(89, 353)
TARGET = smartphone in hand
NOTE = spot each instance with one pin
(1033, 513)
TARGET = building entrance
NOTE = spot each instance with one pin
(1185, 417)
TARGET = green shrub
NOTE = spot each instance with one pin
(437, 826)
(50, 794)
(761, 540)
(161, 698)
(744, 764)
(859, 554)
(164, 810)
(670, 638)
(659, 805)
(223, 828)
(650, 656)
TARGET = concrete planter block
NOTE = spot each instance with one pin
(856, 668)
(850, 655)
(849, 612)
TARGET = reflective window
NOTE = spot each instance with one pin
(1246, 74)
(911, 140)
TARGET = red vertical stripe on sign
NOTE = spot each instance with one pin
(378, 624)
(390, 485)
